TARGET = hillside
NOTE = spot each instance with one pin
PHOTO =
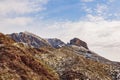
(17, 63)
(68, 62)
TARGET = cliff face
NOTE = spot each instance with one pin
(71, 62)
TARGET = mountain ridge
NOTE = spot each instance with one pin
(75, 43)
(70, 62)
(54, 42)
(29, 38)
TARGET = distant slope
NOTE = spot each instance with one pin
(56, 43)
(71, 65)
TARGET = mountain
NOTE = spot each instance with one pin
(30, 39)
(73, 61)
(18, 63)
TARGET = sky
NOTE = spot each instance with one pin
(96, 22)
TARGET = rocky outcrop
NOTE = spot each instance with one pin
(78, 42)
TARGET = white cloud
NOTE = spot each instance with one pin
(20, 6)
(18, 21)
(87, 0)
(97, 10)
(111, 0)
(101, 9)
(87, 9)
(90, 17)
(18, 13)
(9, 25)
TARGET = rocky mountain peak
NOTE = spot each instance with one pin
(78, 42)
(30, 39)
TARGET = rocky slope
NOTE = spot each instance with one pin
(17, 63)
(72, 62)
(72, 66)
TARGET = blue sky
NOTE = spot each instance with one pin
(69, 9)
(95, 21)
(61, 10)
(78, 9)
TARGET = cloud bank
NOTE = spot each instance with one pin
(19, 12)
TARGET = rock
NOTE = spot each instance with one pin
(78, 42)
(56, 43)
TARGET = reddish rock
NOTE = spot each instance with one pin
(78, 42)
